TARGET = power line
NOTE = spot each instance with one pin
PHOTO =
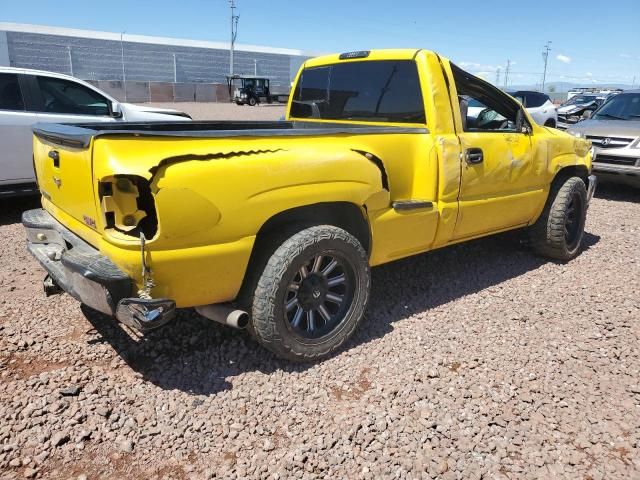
(506, 73)
(545, 56)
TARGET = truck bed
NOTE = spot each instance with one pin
(79, 135)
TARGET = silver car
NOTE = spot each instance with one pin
(614, 131)
(30, 96)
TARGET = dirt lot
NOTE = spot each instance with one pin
(226, 111)
(476, 361)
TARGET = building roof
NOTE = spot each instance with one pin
(93, 34)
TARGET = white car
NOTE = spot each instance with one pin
(30, 96)
(539, 106)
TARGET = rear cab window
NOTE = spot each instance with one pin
(11, 98)
(376, 91)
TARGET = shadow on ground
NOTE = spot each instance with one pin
(11, 208)
(197, 356)
(617, 193)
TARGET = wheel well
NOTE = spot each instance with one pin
(340, 214)
(274, 231)
(573, 171)
(550, 123)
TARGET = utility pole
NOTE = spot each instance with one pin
(234, 34)
(506, 73)
(498, 77)
(70, 60)
(545, 57)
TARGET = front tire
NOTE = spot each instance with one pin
(559, 231)
(312, 294)
(252, 101)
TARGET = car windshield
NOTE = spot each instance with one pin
(625, 106)
(383, 91)
(578, 99)
(472, 102)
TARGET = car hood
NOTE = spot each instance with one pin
(150, 109)
(608, 128)
(567, 109)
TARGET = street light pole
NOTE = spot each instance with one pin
(545, 56)
(234, 34)
(124, 76)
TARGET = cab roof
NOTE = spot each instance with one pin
(381, 54)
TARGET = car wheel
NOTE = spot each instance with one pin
(312, 294)
(239, 103)
(252, 101)
(559, 231)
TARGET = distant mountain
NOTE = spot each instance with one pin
(560, 87)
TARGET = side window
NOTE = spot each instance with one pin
(535, 100)
(63, 96)
(10, 93)
(484, 107)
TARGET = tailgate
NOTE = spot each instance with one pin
(65, 177)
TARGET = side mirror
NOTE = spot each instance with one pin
(116, 110)
(521, 123)
(587, 114)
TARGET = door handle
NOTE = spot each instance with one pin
(473, 156)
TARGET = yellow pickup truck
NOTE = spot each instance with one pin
(274, 226)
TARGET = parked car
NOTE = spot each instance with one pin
(614, 131)
(275, 225)
(539, 106)
(577, 107)
(30, 96)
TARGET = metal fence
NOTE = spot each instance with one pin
(141, 72)
(142, 92)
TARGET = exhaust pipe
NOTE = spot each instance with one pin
(226, 314)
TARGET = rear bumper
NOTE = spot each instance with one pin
(90, 277)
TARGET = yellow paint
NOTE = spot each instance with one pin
(210, 208)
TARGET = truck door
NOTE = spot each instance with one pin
(16, 164)
(499, 186)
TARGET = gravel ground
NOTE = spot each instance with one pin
(226, 111)
(475, 361)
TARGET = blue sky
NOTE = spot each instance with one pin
(593, 42)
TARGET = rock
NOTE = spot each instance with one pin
(59, 438)
(268, 446)
(126, 446)
(72, 391)
(30, 472)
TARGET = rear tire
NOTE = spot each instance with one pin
(559, 231)
(252, 101)
(312, 294)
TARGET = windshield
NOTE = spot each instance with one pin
(580, 99)
(383, 91)
(625, 106)
(472, 102)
